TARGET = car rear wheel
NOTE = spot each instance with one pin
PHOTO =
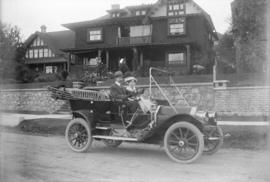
(111, 143)
(213, 141)
(183, 142)
(78, 135)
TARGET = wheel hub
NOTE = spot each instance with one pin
(181, 143)
(76, 135)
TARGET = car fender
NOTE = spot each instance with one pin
(168, 121)
(84, 114)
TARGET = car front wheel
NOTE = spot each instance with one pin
(183, 142)
(78, 135)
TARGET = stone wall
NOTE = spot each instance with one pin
(200, 95)
(243, 101)
(37, 100)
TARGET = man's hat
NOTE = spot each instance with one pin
(118, 74)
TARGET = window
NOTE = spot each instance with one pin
(38, 41)
(182, 6)
(90, 61)
(140, 31)
(115, 15)
(27, 54)
(40, 53)
(49, 69)
(49, 53)
(176, 58)
(176, 7)
(95, 35)
(140, 12)
(31, 54)
(176, 26)
(41, 42)
(35, 53)
(46, 54)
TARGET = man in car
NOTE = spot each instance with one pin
(117, 91)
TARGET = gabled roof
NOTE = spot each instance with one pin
(153, 7)
(55, 40)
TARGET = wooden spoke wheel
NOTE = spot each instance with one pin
(78, 135)
(183, 142)
(213, 140)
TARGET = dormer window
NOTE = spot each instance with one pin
(115, 15)
(140, 12)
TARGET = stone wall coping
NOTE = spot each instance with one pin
(107, 87)
(23, 90)
(243, 88)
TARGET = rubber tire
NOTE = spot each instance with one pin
(112, 143)
(88, 129)
(219, 144)
(195, 130)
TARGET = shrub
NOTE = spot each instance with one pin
(47, 78)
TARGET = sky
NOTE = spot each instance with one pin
(29, 15)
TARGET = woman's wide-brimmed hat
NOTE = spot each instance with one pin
(130, 78)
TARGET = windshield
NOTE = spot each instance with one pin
(160, 81)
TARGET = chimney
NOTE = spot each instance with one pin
(43, 29)
(115, 6)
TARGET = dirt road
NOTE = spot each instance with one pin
(39, 158)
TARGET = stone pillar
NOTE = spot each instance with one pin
(188, 58)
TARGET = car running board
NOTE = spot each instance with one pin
(115, 138)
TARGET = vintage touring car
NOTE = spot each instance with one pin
(184, 132)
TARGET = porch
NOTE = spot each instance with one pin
(175, 58)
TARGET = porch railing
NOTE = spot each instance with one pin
(134, 40)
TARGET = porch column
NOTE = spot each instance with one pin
(188, 58)
(135, 59)
(99, 53)
(107, 58)
(68, 62)
(141, 58)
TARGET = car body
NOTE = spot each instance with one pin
(184, 132)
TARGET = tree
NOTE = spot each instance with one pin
(12, 50)
(226, 53)
(249, 30)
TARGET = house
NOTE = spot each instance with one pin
(44, 53)
(170, 34)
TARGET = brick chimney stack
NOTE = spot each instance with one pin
(43, 29)
(115, 6)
